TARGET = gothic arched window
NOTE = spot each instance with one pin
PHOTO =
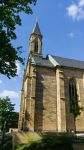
(36, 47)
(73, 95)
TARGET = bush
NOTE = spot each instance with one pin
(7, 145)
(50, 142)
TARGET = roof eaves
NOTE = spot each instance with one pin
(46, 66)
(77, 68)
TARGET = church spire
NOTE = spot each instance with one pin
(36, 41)
(36, 29)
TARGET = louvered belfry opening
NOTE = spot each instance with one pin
(36, 47)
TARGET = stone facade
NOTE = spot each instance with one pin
(78, 75)
(45, 99)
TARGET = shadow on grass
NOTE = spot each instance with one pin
(52, 141)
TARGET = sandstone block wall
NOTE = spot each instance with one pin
(45, 97)
(79, 76)
(45, 100)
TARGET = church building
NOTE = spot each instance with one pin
(52, 97)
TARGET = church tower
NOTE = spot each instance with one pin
(36, 41)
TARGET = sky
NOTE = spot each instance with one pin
(62, 26)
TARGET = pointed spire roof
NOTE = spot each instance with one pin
(36, 29)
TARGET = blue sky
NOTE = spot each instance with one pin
(62, 26)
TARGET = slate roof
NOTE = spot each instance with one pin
(57, 61)
(69, 62)
(41, 61)
(36, 29)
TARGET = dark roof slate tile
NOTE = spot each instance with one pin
(69, 62)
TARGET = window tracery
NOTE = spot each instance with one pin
(73, 95)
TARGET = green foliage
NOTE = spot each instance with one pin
(75, 108)
(50, 142)
(9, 18)
(7, 145)
(6, 113)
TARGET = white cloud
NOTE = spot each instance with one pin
(0, 81)
(18, 68)
(71, 35)
(76, 10)
(81, 3)
(11, 94)
(72, 10)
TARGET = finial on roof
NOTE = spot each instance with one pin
(36, 29)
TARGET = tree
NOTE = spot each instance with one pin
(6, 114)
(9, 18)
(75, 109)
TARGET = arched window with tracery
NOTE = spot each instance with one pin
(36, 47)
(73, 95)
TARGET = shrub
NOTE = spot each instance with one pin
(54, 141)
(7, 145)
